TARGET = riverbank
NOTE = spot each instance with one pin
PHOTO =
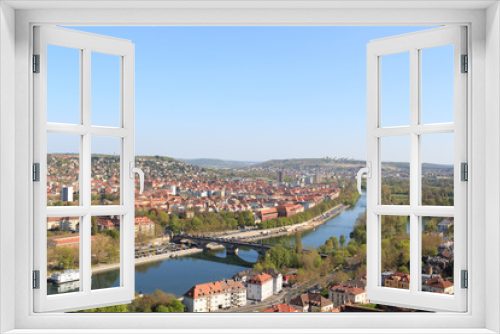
(154, 258)
(269, 233)
(178, 275)
(254, 235)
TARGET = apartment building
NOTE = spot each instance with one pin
(277, 280)
(214, 296)
(260, 287)
(347, 292)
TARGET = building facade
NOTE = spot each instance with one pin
(439, 285)
(277, 280)
(312, 302)
(214, 296)
(260, 287)
(397, 281)
(345, 293)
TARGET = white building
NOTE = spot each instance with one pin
(260, 287)
(344, 293)
(444, 225)
(213, 296)
(277, 280)
(70, 224)
(67, 194)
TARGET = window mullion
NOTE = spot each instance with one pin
(414, 167)
(85, 170)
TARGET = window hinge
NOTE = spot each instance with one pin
(36, 63)
(464, 171)
(36, 172)
(465, 64)
(36, 279)
(465, 279)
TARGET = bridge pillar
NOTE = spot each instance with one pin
(203, 246)
(232, 250)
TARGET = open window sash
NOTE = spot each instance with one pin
(84, 296)
(414, 43)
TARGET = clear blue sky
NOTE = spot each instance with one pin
(253, 93)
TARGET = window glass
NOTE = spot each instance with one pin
(395, 176)
(395, 89)
(63, 255)
(106, 88)
(437, 254)
(437, 169)
(395, 257)
(105, 251)
(63, 75)
(63, 170)
(437, 84)
(106, 170)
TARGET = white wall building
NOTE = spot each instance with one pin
(260, 287)
(213, 296)
(277, 280)
(67, 194)
(344, 293)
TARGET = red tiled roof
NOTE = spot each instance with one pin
(260, 279)
(439, 282)
(281, 308)
(214, 288)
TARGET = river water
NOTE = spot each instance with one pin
(178, 275)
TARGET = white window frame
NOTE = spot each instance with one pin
(86, 44)
(483, 20)
(413, 43)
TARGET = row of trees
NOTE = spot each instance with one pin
(434, 191)
(348, 196)
(105, 249)
(202, 222)
(155, 302)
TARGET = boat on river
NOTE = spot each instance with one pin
(65, 276)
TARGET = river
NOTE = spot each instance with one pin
(178, 275)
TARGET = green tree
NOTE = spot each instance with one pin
(162, 308)
(431, 226)
(95, 226)
(335, 243)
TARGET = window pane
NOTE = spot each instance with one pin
(63, 85)
(437, 169)
(395, 236)
(63, 255)
(106, 170)
(105, 90)
(437, 254)
(63, 170)
(395, 175)
(437, 84)
(105, 252)
(395, 89)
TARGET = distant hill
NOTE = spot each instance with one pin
(339, 164)
(219, 163)
(311, 163)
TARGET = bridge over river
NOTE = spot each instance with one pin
(232, 246)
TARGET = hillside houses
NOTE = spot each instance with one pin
(179, 188)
